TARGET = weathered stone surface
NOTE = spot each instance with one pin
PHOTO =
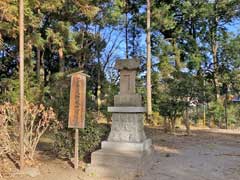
(130, 110)
(127, 82)
(125, 146)
(127, 152)
(127, 127)
(129, 64)
(124, 165)
(128, 100)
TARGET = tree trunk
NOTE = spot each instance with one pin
(186, 122)
(44, 70)
(215, 73)
(214, 46)
(38, 63)
(166, 124)
(173, 123)
(149, 88)
(126, 28)
(61, 60)
(177, 55)
(98, 89)
(226, 110)
(204, 105)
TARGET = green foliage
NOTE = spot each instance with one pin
(216, 112)
(33, 89)
(89, 139)
(233, 115)
(156, 119)
(57, 97)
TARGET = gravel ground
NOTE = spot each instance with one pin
(208, 154)
(205, 155)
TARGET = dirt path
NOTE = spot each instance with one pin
(206, 155)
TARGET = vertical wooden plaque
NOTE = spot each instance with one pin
(77, 107)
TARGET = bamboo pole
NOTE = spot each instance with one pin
(149, 88)
(21, 79)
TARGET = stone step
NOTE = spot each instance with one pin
(127, 146)
(110, 165)
(116, 159)
(102, 172)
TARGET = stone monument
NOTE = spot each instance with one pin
(127, 152)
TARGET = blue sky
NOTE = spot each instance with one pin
(120, 52)
(234, 27)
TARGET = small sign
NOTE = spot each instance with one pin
(77, 107)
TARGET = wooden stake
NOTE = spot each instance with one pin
(21, 79)
(76, 148)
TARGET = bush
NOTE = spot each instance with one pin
(216, 113)
(33, 88)
(37, 118)
(233, 116)
(8, 125)
(5, 118)
(89, 139)
(156, 119)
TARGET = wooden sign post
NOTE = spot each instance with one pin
(77, 107)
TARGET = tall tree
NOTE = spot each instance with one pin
(218, 13)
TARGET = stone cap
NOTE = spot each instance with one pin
(78, 73)
(127, 64)
(129, 109)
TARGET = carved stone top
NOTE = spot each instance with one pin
(127, 64)
(127, 68)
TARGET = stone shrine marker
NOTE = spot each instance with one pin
(127, 152)
(127, 70)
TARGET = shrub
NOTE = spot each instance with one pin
(37, 119)
(33, 88)
(89, 139)
(216, 112)
(7, 119)
(156, 119)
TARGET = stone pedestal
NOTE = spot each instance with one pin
(127, 152)
(120, 164)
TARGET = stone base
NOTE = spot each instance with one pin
(128, 100)
(127, 126)
(124, 165)
(125, 146)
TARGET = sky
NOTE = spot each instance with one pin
(234, 27)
